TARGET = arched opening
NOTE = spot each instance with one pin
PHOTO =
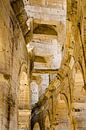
(47, 123)
(36, 126)
(62, 121)
(79, 99)
(78, 90)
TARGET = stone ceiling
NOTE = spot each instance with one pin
(43, 23)
(49, 25)
(48, 20)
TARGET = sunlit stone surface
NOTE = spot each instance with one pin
(42, 64)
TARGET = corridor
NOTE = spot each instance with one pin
(42, 64)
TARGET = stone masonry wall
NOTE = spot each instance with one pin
(13, 55)
(65, 100)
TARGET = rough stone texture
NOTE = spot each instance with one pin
(14, 61)
(48, 77)
(64, 102)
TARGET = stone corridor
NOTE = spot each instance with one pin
(42, 64)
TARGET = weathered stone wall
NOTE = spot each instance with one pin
(63, 105)
(13, 57)
(65, 100)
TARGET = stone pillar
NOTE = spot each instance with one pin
(24, 119)
(24, 111)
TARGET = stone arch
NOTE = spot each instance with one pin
(81, 67)
(36, 126)
(77, 30)
(62, 118)
(78, 73)
(64, 99)
(78, 96)
(78, 89)
(47, 122)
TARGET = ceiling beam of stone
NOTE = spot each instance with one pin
(47, 3)
(45, 71)
(49, 22)
(41, 13)
(44, 37)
